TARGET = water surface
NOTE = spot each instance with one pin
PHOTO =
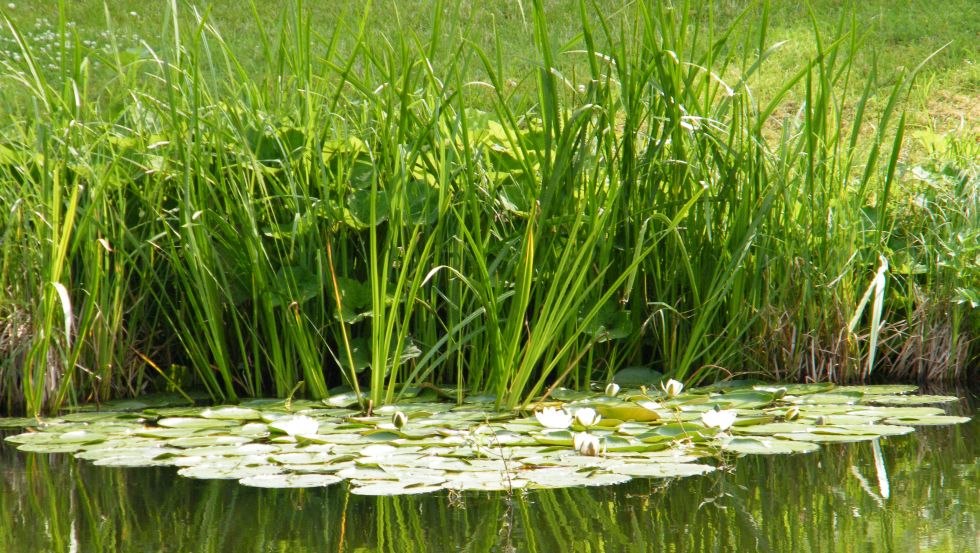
(926, 499)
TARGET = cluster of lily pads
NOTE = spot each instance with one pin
(572, 439)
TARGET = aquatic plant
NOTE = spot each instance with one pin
(472, 446)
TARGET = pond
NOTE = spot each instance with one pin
(838, 498)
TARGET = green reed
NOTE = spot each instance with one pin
(346, 215)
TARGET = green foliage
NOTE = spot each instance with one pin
(343, 213)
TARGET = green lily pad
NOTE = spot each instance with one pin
(897, 412)
(290, 480)
(193, 423)
(394, 487)
(231, 413)
(227, 470)
(768, 446)
(909, 400)
(19, 422)
(880, 389)
(932, 420)
(662, 470)
(613, 408)
(563, 477)
(830, 398)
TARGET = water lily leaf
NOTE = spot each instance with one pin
(931, 420)
(613, 408)
(208, 440)
(394, 487)
(662, 470)
(51, 447)
(227, 470)
(880, 389)
(568, 394)
(488, 483)
(799, 389)
(563, 477)
(193, 423)
(897, 412)
(768, 446)
(19, 422)
(232, 450)
(554, 437)
(290, 480)
(677, 431)
(741, 399)
(345, 399)
(829, 398)
(775, 428)
(909, 400)
(231, 413)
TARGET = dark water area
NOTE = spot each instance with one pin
(925, 499)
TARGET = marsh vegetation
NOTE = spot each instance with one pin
(384, 202)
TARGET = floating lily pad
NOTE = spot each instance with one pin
(302, 443)
(394, 488)
(227, 470)
(909, 400)
(231, 413)
(662, 470)
(931, 420)
(290, 480)
(194, 423)
(19, 423)
(563, 477)
(769, 446)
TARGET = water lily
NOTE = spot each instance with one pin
(551, 417)
(720, 419)
(672, 387)
(612, 389)
(587, 416)
(399, 419)
(297, 425)
(587, 444)
(792, 413)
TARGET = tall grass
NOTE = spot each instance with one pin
(173, 219)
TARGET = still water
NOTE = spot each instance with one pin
(926, 499)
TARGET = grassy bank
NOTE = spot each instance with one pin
(388, 205)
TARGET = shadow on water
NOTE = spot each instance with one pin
(924, 498)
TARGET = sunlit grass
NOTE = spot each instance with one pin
(349, 205)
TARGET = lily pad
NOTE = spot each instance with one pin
(662, 470)
(910, 399)
(231, 413)
(395, 487)
(768, 446)
(563, 477)
(932, 420)
(193, 423)
(290, 480)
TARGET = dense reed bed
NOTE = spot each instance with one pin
(361, 212)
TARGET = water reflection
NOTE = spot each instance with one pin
(833, 500)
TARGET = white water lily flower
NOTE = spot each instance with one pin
(722, 420)
(612, 389)
(297, 425)
(672, 387)
(587, 444)
(586, 416)
(550, 417)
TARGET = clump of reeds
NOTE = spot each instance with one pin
(174, 220)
